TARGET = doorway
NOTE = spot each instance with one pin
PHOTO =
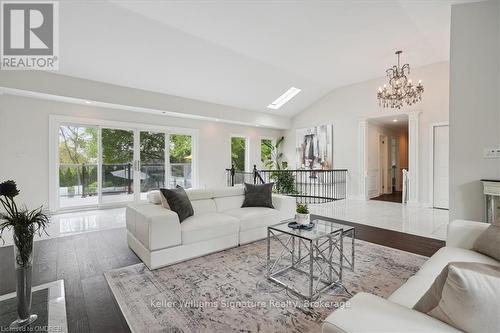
(387, 156)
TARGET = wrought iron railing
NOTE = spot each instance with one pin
(308, 186)
(81, 179)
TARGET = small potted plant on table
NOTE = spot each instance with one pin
(302, 215)
(24, 223)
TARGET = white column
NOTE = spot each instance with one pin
(413, 128)
(362, 192)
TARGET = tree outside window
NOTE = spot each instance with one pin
(266, 147)
(238, 153)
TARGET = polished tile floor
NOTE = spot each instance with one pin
(419, 221)
(73, 223)
(427, 222)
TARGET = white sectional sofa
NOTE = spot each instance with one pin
(156, 236)
(370, 313)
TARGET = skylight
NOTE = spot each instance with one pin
(280, 101)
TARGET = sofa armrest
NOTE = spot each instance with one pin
(285, 204)
(369, 313)
(154, 226)
(462, 233)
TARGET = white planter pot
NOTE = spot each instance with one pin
(302, 218)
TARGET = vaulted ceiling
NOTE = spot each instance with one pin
(247, 53)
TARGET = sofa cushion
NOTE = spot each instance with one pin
(199, 194)
(369, 313)
(179, 202)
(227, 203)
(229, 191)
(464, 295)
(489, 242)
(208, 226)
(410, 292)
(445, 255)
(204, 206)
(258, 195)
(255, 217)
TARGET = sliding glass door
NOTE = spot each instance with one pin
(117, 166)
(77, 174)
(104, 165)
(152, 161)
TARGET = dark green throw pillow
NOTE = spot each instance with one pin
(258, 195)
(179, 202)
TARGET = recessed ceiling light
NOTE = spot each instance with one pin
(216, 119)
(88, 102)
(395, 120)
(280, 101)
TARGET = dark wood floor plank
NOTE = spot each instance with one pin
(398, 240)
(68, 269)
(101, 309)
(86, 256)
(395, 196)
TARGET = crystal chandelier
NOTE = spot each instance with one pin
(400, 90)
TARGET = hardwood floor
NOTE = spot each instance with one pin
(392, 197)
(390, 238)
(81, 261)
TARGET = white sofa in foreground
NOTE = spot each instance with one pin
(370, 313)
(156, 236)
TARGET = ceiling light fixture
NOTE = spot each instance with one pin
(280, 101)
(401, 89)
(88, 102)
(395, 120)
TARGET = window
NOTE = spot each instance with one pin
(239, 153)
(266, 148)
(181, 160)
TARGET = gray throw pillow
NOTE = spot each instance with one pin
(179, 202)
(488, 242)
(258, 195)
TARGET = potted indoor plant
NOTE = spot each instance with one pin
(24, 224)
(302, 214)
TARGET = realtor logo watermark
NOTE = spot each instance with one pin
(30, 35)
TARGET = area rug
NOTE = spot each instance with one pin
(228, 291)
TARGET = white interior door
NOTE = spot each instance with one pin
(441, 167)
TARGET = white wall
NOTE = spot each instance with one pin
(24, 138)
(474, 104)
(347, 106)
(48, 85)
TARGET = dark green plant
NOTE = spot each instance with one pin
(302, 208)
(284, 182)
(24, 222)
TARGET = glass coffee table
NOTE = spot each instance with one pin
(309, 261)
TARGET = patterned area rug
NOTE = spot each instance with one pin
(228, 292)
